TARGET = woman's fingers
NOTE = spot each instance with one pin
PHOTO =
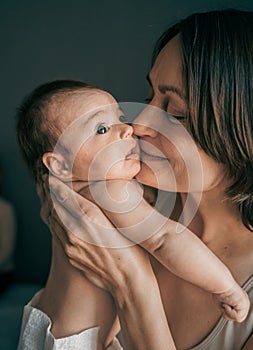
(68, 198)
(83, 219)
(77, 206)
(73, 253)
(75, 231)
(89, 230)
(91, 275)
(58, 230)
(44, 201)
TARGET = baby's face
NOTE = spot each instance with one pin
(101, 145)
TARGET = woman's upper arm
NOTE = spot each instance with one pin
(249, 343)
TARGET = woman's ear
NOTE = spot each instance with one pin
(57, 165)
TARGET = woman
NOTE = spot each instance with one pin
(201, 74)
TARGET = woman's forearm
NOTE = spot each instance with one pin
(142, 317)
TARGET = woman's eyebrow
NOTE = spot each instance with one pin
(164, 88)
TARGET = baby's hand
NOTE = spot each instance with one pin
(234, 303)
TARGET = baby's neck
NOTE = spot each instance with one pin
(73, 303)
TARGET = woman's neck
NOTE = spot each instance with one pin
(213, 216)
(72, 302)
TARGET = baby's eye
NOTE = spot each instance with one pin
(102, 129)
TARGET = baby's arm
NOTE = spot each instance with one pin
(176, 247)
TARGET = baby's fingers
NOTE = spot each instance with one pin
(232, 314)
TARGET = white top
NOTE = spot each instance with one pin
(7, 235)
(35, 332)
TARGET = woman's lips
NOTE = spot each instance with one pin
(153, 156)
(150, 150)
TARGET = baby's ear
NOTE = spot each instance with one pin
(57, 165)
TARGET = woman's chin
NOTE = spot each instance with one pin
(160, 177)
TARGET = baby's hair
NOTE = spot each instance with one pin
(36, 132)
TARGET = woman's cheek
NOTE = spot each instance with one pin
(170, 149)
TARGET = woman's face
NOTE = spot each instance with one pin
(176, 161)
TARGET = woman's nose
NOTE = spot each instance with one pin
(143, 123)
(143, 130)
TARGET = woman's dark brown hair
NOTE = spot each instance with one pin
(217, 58)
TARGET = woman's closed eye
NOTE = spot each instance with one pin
(102, 129)
(175, 112)
(176, 119)
(176, 116)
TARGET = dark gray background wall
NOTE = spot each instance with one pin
(108, 43)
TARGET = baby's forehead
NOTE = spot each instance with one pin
(81, 104)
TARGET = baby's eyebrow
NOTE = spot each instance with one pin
(96, 114)
(120, 112)
(93, 115)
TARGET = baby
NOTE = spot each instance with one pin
(99, 146)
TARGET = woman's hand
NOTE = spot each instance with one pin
(93, 247)
(125, 272)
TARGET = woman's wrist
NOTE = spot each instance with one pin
(131, 285)
(142, 317)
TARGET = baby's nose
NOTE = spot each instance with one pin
(127, 130)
